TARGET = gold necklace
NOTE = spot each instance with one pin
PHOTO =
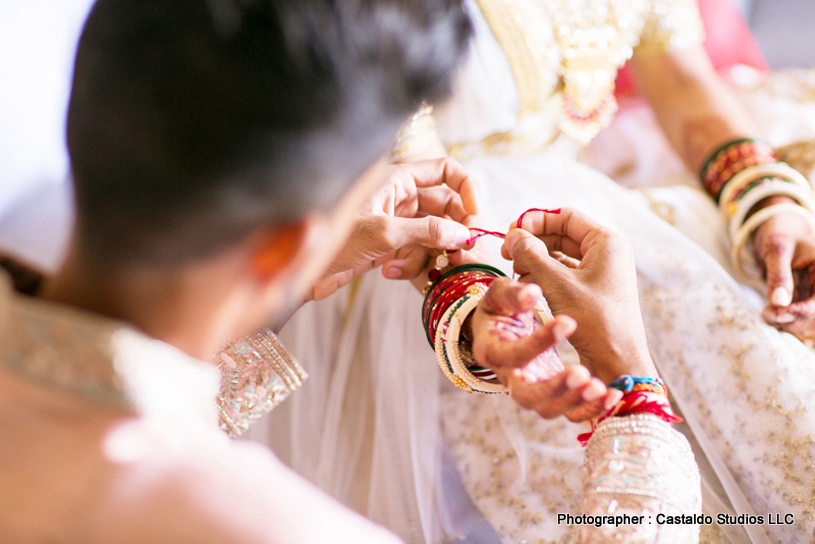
(588, 35)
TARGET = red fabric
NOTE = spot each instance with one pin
(729, 42)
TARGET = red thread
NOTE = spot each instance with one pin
(521, 219)
(482, 232)
(637, 402)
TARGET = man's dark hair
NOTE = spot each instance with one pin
(193, 122)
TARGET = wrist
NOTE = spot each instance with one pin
(616, 361)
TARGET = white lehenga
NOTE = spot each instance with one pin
(379, 428)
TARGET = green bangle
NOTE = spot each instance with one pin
(718, 150)
(462, 268)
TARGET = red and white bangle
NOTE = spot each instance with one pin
(448, 350)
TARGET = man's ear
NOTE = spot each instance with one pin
(277, 248)
(281, 250)
(290, 254)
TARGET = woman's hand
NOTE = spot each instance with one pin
(593, 279)
(421, 205)
(785, 249)
(507, 340)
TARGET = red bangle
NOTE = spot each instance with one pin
(448, 295)
(448, 289)
(732, 158)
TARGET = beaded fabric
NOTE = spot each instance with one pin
(638, 465)
(257, 374)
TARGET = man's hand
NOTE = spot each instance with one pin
(593, 279)
(785, 249)
(421, 205)
(507, 340)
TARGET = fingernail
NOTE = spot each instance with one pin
(509, 240)
(592, 393)
(575, 380)
(784, 318)
(781, 297)
(462, 237)
(613, 399)
(393, 272)
(561, 328)
(531, 377)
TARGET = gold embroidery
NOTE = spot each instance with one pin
(257, 374)
(520, 502)
(800, 155)
(564, 57)
(670, 25)
(793, 84)
(664, 210)
(744, 396)
(520, 29)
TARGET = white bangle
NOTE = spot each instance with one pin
(753, 173)
(448, 352)
(754, 222)
(740, 181)
(542, 314)
(455, 318)
(441, 350)
(773, 188)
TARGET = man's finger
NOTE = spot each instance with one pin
(562, 244)
(408, 263)
(570, 223)
(530, 255)
(449, 172)
(430, 231)
(441, 201)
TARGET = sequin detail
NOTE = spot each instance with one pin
(257, 374)
(638, 465)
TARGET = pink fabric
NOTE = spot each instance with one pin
(729, 42)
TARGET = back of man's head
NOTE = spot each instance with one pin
(193, 122)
